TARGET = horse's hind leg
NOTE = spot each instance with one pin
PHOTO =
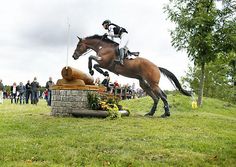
(163, 97)
(145, 86)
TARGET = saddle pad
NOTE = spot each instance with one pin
(131, 57)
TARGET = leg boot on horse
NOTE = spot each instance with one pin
(163, 97)
(167, 112)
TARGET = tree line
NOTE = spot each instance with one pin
(208, 34)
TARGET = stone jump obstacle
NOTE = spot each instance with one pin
(69, 95)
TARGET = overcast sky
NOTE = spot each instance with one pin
(33, 36)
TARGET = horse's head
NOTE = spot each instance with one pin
(80, 49)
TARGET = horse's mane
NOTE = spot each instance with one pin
(103, 38)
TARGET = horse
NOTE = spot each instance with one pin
(139, 68)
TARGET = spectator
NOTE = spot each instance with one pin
(34, 91)
(116, 85)
(13, 93)
(2, 89)
(133, 90)
(21, 90)
(5, 94)
(97, 81)
(45, 95)
(106, 81)
(49, 85)
(27, 92)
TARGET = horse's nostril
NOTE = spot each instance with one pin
(75, 56)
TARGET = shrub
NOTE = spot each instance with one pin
(93, 101)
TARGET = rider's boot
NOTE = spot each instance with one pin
(117, 60)
(122, 55)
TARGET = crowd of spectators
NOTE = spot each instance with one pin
(28, 93)
(126, 91)
(32, 91)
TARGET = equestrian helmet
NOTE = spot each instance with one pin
(106, 22)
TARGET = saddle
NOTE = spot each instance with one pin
(128, 53)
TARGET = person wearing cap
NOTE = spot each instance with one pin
(115, 31)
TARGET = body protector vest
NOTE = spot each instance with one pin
(118, 30)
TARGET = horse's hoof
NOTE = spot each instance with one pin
(165, 115)
(91, 72)
(106, 74)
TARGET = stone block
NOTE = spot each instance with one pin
(74, 92)
(66, 101)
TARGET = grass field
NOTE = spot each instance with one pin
(206, 136)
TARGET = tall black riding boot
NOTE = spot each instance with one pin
(122, 55)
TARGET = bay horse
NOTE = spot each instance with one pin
(139, 68)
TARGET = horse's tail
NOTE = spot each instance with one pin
(174, 80)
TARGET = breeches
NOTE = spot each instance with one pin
(124, 40)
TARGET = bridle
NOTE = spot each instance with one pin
(90, 50)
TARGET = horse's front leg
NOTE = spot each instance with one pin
(98, 68)
(90, 64)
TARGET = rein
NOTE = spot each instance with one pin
(88, 51)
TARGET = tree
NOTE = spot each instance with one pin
(203, 31)
(219, 78)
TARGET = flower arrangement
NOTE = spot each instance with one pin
(104, 102)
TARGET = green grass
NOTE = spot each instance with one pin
(29, 136)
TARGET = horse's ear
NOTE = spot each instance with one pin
(79, 38)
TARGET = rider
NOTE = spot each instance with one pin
(115, 31)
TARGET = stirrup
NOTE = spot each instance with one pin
(116, 60)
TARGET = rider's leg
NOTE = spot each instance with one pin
(122, 55)
(124, 40)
